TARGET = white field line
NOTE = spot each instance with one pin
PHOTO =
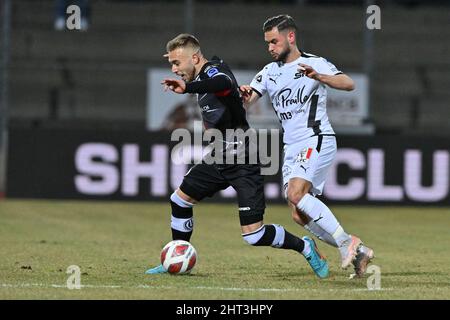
(88, 286)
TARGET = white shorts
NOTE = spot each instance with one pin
(309, 159)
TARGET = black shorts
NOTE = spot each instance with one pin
(204, 180)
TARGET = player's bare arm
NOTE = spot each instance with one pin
(339, 81)
(249, 96)
(212, 85)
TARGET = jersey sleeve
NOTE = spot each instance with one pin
(325, 67)
(215, 79)
(220, 83)
(259, 82)
(216, 71)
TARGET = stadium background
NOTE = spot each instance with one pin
(67, 82)
(62, 90)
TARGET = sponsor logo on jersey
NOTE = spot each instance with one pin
(299, 110)
(298, 75)
(244, 209)
(211, 72)
(304, 156)
(273, 77)
(285, 99)
(286, 171)
(208, 109)
(259, 78)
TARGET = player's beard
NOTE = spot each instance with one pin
(284, 54)
(189, 76)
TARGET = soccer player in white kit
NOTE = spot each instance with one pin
(296, 84)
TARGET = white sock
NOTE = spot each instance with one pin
(316, 230)
(341, 236)
(323, 217)
(307, 248)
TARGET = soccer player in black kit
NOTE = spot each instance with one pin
(222, 108)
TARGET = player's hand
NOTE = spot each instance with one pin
(308, 71)
(246, 92)
(177, 86)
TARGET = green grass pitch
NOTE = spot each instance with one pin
(114, 242)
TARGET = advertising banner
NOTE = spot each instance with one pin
(137, 165)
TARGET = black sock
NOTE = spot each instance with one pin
(180, 235)
(268, 236)
(293, 242)
(182, 213)
(290, 241)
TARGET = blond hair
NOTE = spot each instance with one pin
(183, 40)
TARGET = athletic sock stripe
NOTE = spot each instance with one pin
(268, 236)
(175, 198)
(255, 237)
(250, 233)
(184, 225)
(278, 240)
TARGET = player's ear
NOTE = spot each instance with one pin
(291, 37)
(195, 58)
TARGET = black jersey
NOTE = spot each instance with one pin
(220, 109)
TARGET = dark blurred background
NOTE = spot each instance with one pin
(97, 77)
(61, 78)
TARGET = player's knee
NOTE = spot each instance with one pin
(294, 195)
(252, 238)
(296, 190)
(180, 196)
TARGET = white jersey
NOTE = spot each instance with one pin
(299, 102)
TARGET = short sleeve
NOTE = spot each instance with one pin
(325, 67)
(259, 82)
